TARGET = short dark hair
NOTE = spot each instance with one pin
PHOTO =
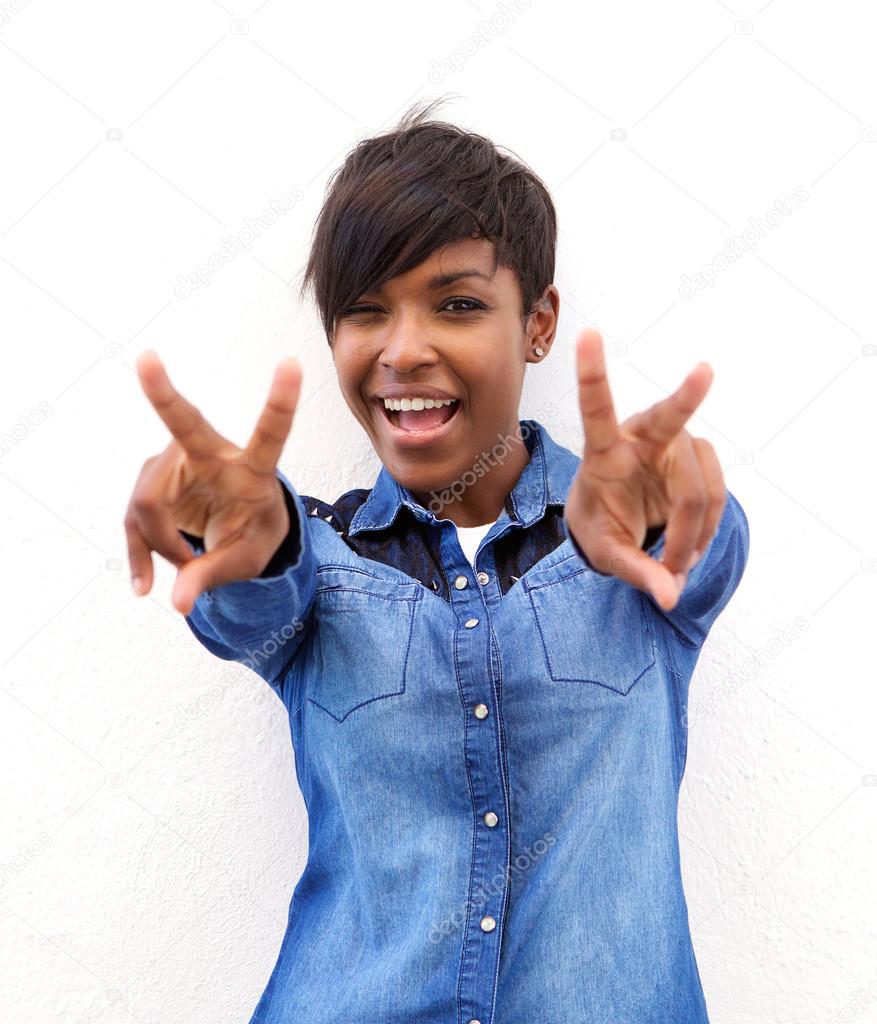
(402, 194)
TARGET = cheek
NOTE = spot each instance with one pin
(351, 368)
(499, 372)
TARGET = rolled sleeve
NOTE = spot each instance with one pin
(713, 579)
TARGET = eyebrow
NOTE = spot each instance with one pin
(441, 280)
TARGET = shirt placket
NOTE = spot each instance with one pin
(472, 594)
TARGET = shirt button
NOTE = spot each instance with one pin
(487, 924)
(469, 623)
(490, 819)
(480, 710)
(474, 1022)
(482, 578)
(461, 583)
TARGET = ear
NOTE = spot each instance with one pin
(542, 323)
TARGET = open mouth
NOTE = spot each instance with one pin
(419, 425)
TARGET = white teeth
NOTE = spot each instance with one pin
(400, 404)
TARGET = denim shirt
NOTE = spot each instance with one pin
(490, 759)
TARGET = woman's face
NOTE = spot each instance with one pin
(447, 329)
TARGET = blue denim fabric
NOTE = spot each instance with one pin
(490, 761)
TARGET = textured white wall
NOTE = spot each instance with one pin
(151, 827)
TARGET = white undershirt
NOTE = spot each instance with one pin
(470, 538)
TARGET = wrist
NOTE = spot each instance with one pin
(287, 552)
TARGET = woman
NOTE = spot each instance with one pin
(485, 657)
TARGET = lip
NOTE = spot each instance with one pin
(415, 439)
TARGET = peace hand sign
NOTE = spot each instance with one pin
(207, 486)
(648, 471)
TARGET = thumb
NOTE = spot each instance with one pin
(212, 569)
(648, 574)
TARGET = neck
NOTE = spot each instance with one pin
(483, 501)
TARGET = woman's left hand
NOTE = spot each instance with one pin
(649, 471)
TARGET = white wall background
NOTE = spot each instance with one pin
(151, 827)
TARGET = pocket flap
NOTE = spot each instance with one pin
(592, 628)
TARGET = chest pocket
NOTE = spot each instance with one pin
(363, 633)
(592, 628)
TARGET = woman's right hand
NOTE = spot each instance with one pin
(207, 486)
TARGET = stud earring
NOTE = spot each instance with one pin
(539, 351)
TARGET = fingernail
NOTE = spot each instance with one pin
(680, 578)
(136, 583)
(694, 558)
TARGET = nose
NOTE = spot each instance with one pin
(407, 344)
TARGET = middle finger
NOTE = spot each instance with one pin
(688, 507)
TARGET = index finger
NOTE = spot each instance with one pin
(595, 398)
(181, 418)
(275, 422)
(662, 421)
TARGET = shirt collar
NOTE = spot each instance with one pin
(544, 481)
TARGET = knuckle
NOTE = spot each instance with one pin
(600, 412)
(142, 504)
(252, 565)
(151, 464)
(271, 435)
(170, 554)
(695, 502)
